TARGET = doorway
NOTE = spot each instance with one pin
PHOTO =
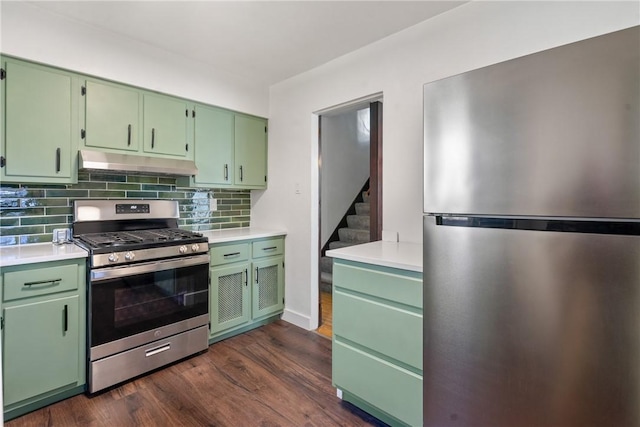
(350, 193)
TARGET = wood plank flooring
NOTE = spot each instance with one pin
(277, 375)
(326, 304)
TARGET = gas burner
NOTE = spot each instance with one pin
(98, 240)
(130, 232)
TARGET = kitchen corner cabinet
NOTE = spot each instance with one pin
(39, 141)
(230, 150)
(377, 340)
(43, 332)
(250, 152)
(247, 285)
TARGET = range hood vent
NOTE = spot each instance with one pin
(116, 162)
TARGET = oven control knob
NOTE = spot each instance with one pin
(129, 256)
(113, 257)
(195, 247)
(183, 249)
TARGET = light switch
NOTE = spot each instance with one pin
(213, 204)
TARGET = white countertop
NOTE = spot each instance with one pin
(39, 252)
(402, 255)
(235, 234)
(44, 252)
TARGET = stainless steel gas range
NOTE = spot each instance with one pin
(148, 287)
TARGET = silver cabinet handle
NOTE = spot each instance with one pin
(246, 277)
(153, 137)
(270, 248)
(226, 172)
(129, 136)
(256, 274)
(241, 175)
(231, 254)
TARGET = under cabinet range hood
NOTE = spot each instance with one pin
(116, 162)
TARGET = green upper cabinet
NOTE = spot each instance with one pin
(48, 114)
(230, 150)
(250, 152)
(112, 116)
(40, 130)
(214, 146)
(166, 126)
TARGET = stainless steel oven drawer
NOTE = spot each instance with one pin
(120, 367)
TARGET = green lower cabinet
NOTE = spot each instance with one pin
(230, 300)
(377, 340)
(247, 285)
(35, 331)
(268, 287)
(43, 349)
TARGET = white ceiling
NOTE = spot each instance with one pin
(266, 41)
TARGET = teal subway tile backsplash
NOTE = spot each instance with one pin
(30, 212)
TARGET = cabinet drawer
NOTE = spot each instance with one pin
(386, 283)
(268, 248)
(229, 253)
(391, 331)
(394, 390)
(40, 281)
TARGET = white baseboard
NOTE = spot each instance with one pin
(297, 319)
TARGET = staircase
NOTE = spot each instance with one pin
(355, 233)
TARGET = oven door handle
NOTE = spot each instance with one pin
(98, 275)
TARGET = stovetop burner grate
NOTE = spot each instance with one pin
(136, 237)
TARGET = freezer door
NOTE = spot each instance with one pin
(555, 133)
(530, 328)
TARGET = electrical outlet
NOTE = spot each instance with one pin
(213, 204)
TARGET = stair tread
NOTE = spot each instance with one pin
(354, 235)
(326, 277)
(363, 208)
(339, 244)
(359, 222)
(326, 264)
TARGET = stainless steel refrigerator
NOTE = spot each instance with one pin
(532, 240)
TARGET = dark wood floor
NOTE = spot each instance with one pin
(277, 375)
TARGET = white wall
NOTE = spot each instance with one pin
(471, 36)
(344, 169)
(29, 32)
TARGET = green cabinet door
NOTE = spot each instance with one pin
(268, 287)
(112, 116)
(214, 134)
(40, 348)
(165, 126)
(40, 124)
(229, 296)
(250, 152)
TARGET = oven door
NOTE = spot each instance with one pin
(136, 304)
